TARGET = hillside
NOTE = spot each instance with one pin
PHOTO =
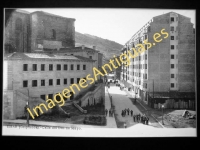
(107, 47)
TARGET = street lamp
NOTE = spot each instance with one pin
(27, 106)
(162, 114)
(135, 93)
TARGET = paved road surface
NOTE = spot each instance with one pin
(122, 101)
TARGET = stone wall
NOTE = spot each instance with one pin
(57, 30)
(16, 33)
(94, 97)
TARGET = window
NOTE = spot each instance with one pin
(172, 85)
(146, 56)
(50, 67)
(34, 67)
(172, 28)
(145, 66)
(172, 37)
(53, 34)
(172, 19)
(145, 47)
(90, 57)
(72, 67)
(149, 29)
(34, 83)
(72, 80)
(42, 67)
(172, 46)
(172, 75)
(145, 76)
(25, 67)
(58, 66)
(172, 56)
(50, 96)
(145, 37)
(78, 79)
(65, 81)
(58, 81)
(25, 83)
(84, 67)
(42, 82)
(50, 82)
(65, 66)
(78, 67)
(42, 97)
(72, 96)
(172, 65)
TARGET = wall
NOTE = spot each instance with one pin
(94, 97)
(159, 56)
(17, 39)
(19, 75)
(41, 27)
(186, 57)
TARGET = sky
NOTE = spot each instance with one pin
(117, 25)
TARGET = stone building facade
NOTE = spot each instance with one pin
(39, 75)
(27, 32)
(167, 69)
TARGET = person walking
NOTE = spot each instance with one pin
(147, 120)
(134, 118)
(109, 112)
(106, 112)
(125, 125)
(131, 113)
(122, 113)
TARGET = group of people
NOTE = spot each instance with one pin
(136, 117)
(127, 112)
(110, 112)
(141, 118)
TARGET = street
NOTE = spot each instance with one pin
(121, 101)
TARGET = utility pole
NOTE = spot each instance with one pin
(26, 110)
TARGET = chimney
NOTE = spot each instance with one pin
(94, 47)
(83, 46)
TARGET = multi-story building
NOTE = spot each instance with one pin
(41, 60)
(41, 75)
(27, 32)
(167, 69)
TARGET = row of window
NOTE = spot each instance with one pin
(58, 67)
(50, 83)
(50, 96)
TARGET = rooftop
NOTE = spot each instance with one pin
(49, 14)
(27, 56)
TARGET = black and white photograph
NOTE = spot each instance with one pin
(99, 72)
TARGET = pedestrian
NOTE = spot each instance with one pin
(106, 112)
(125, 125)
(128, 112)
(134, 118)
(142, 119)
(147, 120)
(109, 113)
(139, 118)
(122, 113)
(131, 113)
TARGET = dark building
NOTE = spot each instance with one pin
(30, 32)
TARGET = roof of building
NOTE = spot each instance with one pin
(25, 56)
(77, 49)
(22, 11)
(53, 15)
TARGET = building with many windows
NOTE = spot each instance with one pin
(166, 70)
